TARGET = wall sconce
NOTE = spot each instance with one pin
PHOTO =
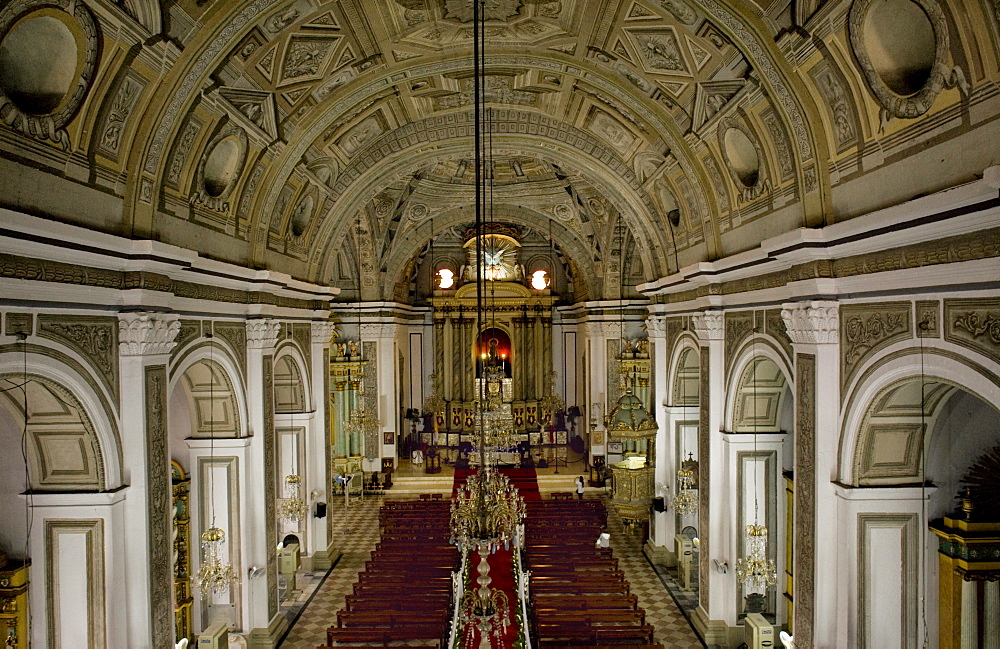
(721, 566)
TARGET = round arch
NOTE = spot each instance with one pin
(776, 382)
(568, 240)
(935, 362)
(103, 425)
(685, 359)
(206, 363)
(291, 379)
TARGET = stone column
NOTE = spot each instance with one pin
(318, 458)
(814, 330)
(145, 341)
(714, 526)
(991, 615)
(970, 614)
(258, 503)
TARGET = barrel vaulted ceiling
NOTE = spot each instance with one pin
(282, 134)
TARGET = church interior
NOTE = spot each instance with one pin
(500, 323)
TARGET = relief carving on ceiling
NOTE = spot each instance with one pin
(43, 87)
(462, 10)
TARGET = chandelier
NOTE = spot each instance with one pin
(755, 570)
(361, 421)
(686, 499)
(292, 507)
(486, 512)
(484, 609)
(551, 402)
(215, 574)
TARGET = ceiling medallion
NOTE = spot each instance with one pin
(492, 9)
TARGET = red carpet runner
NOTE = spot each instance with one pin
(501, 566)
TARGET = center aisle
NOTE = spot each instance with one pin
(501, 561)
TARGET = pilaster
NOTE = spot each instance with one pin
(713, 528)
(385, 335)
(145, 341)
(814, 330)
(317, 451)
(662, 524)
(261, 600)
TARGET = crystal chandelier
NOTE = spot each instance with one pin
(434, 404)
(686, 499)
(292, 507)
(484, 609)
(551, 402)
(755, 570)
(215, 575)
(486, 511)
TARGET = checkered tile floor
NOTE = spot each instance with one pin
(355, 532)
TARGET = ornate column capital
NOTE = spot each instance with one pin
(323, 332)
(709, 325)
(656, 326)
(262, 334)
(147, 334)
(378, 330)
(816, 322)
(603, 329)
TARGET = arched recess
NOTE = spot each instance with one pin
(291, 386)
(206, 396)
(759, 390)
(416, 240)
(913, 424)
(685, 373)
(76, 404)
(885, 384)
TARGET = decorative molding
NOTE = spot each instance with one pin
(815, 323)
(323, 333)
(159, 505)
(189, 330)
(709, 325)
(928, 319)
(704, 457)
(301, 332)
(774, 326)
(974, 324)
(908, 570)
(147, 334)
(201, 195)
(868, 328)
(235, 333)
(270, 485)
(51, 126)
(92, 529)
(94, 337)
(738, 326)
(262, 334)
(115, 124)
(940, 74)
(27, 268)
(805, 499)
(379, 331)
(373, 438)
(656, 327)
(234, 27)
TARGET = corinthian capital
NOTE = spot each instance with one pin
(709, 325)
(814, 322)
(656, 326)
(323, 332)
(262, 334)
(142, 334)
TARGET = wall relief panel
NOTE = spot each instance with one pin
(94, 337)
(867, 328)
(974, 324)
